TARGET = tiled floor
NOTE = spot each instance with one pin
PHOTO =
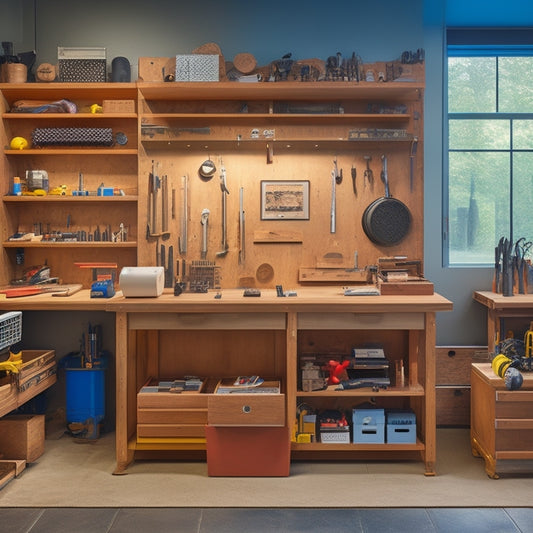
(235, 520)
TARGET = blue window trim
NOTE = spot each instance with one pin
(479, 42)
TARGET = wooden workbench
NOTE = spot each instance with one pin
(199, 334)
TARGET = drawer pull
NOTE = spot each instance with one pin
(246, 409)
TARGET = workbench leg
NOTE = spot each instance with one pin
(124, 456)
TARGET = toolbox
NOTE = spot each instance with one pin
(401, 427)
(369, 426)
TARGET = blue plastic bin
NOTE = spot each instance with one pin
(85, 397)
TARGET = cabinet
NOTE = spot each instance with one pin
(114, 166)
(198, 334)
(502, 423)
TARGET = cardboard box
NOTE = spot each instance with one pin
(22, 437)
(369, 426)
(248, 451)
(81, 64)
(118, 106)
(401, 427)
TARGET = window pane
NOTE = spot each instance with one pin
(515, 84)
(522, 211)
(471, 84)
(478, 205)
(523, 134)
(479, 134)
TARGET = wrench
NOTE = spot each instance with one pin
(225, 192)
(204, 220)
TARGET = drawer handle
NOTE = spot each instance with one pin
(246, 409)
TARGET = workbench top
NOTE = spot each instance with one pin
(331, 299)
(493, 300)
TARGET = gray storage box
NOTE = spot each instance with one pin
(197, 67)
(81, 64)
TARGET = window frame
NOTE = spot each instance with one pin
(478, 42)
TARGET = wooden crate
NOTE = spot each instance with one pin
(171, 415)
(38, 372)
(22, 437)
(453, 382)
(118, 106)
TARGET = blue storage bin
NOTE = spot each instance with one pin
(85, 396)
(368, 426)
(401, 427)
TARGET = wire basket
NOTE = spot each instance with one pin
(10, 329)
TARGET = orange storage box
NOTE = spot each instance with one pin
(248, 451)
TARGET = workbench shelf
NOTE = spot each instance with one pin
(114, 166)
(69, 244)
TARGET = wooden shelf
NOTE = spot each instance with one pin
(293, 117)
(324, 90)
(68, 198)
(67, 116)
(414, 390)
(319, 446)
(72, 151)
(73, 244)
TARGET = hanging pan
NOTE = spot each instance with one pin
(386, 221)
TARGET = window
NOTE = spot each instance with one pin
(490, 147)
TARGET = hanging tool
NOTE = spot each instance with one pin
(242, 238)
(225, 192)
(414, 146)
(354, 175)
(182, 241)
(204, 220)
(333, 202)
(164, 208)
(368, 175)
(338, 175)
(154, 184)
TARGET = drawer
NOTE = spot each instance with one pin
(171, 430)
(172, 416)
(514, 404)
(246, 410)
(454, 363)
(516, 437)
(453, 406)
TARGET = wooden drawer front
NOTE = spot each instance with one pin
(360, 320)
(453, 406)
(514, 439)
(454, 363)
(169, 400)
(171, 430)
(514, 404)
(246, 410)
(172, 416)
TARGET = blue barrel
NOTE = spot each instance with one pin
(85, 398)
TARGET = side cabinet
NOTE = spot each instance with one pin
(502, 422)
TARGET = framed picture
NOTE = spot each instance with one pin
(285, 200)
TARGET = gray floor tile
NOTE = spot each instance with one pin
(522, 517)
(280, 520)
(396, 521)
(157, 520)
(482, 520)
(18, 520)
(86, 520)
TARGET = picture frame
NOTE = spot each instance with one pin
(285, 200)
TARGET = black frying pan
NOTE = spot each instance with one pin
(386, 221)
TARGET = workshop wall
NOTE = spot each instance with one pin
(375, 30)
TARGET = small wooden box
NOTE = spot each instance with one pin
(247, 409)
(118, 106)
(22, 437)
